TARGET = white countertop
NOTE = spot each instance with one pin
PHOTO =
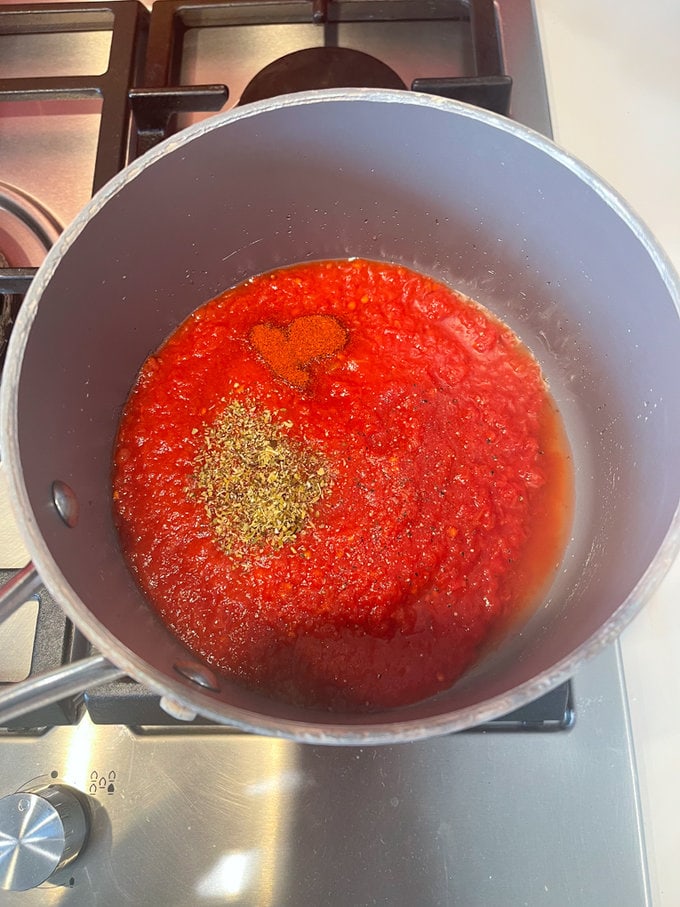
(612, 71)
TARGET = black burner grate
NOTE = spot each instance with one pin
(130, 703)
(162, 96)
(127, 21)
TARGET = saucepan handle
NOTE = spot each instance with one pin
(19, 698)
(21, 587)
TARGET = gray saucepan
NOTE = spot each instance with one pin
(474, 199)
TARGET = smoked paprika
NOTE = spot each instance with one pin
(289, 351)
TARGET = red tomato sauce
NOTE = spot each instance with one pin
(446, 507)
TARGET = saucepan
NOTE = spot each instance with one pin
(477, 201)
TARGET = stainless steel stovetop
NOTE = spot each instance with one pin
(191, 815)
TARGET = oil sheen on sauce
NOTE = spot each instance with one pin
(337, 481)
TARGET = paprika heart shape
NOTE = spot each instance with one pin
(289, 350)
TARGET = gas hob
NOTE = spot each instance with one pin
(196, 813)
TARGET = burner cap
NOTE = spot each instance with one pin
(320, 67)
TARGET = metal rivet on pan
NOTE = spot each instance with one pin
(66, 502)
(176, 710)
(197, 673)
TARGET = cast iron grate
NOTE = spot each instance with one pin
(126, 702)
(162, 96)
(127, 21)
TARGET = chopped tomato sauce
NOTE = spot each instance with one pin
(448, 495)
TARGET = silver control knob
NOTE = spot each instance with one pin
(41, 831)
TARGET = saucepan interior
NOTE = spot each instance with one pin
(465, 196)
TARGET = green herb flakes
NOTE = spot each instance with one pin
(257, 484)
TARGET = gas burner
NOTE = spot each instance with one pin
(27, 232)
(320, 67)
(7, 313)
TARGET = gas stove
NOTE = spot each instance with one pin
(194, 813)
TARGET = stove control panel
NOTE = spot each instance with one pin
(41, 831)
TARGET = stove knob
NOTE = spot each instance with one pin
(41, 831)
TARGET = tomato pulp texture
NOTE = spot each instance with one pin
(418, 438)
